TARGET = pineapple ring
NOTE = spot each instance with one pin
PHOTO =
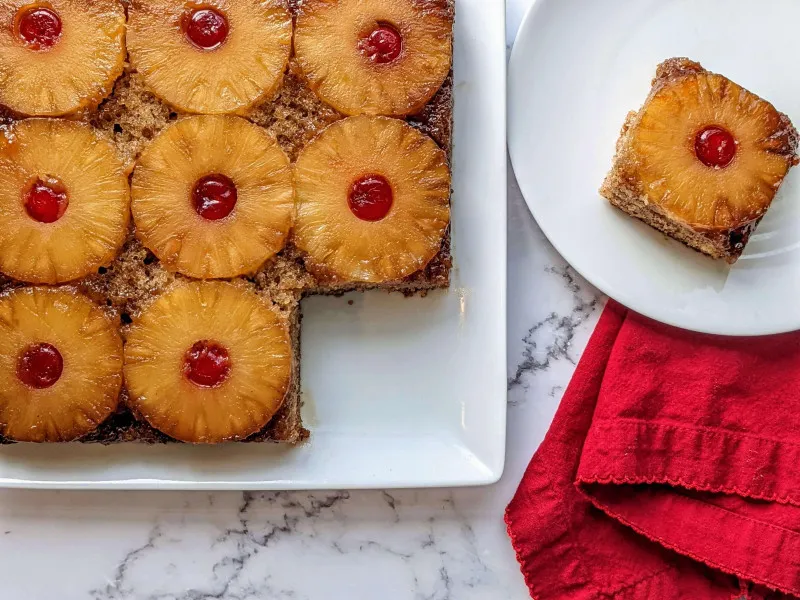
(87, 391)
(676, 180)
(341, 246)
(327, 39)
(230, 315)
(246, 68)
(95, 224)
(78, 71)
(165, 177)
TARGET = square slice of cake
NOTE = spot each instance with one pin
(702, 160)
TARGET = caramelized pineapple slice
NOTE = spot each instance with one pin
(376, 57)
(709, 153)
(213, 197)
(60, 365)
(60, 56)
(208, 362)
(372, 200)
(220, 56)
(64, 201)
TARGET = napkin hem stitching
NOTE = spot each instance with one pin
(693, 483)
(711, 563)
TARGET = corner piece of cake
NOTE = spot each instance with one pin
(702, 160)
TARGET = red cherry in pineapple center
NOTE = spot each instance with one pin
(40, 366)
(206, 28)
(715, 147)
(371, 198)
(383, 44)
(207, 364)
(46, 200)
(214, 196)
(39, 27)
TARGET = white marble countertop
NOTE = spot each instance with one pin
(410, 545)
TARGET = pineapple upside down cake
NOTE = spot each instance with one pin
(175, 176)
(702, 160)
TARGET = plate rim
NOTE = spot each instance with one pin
(597, 281)
(483, 472)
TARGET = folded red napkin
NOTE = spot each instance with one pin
(671, 470)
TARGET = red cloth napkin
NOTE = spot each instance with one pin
(671, 470)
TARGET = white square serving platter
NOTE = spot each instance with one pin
(398, 392)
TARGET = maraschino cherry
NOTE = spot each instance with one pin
(214, 196)
(206, 28)
(207, 364)
(383, 45)
(715, 147)
(40, 366)
(39, 27)
(371, 198)
(46, 200)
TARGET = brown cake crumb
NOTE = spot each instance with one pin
(131, 116)
(295, 116)
(436, 118)
(131, 281)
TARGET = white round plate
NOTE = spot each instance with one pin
(576, 70)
